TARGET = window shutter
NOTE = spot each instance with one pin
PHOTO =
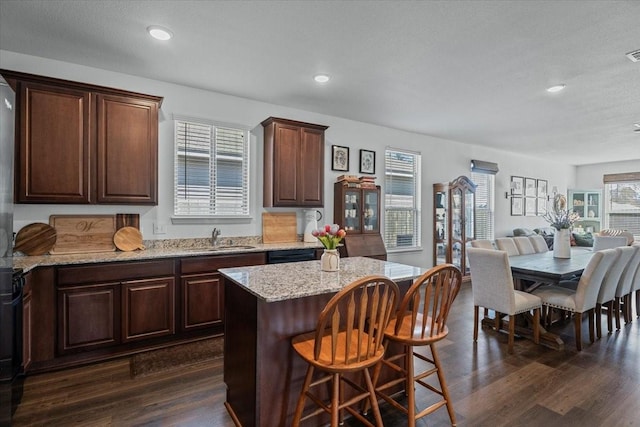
(622, 203)
(211, 170)
(484, 204)
(402, 199)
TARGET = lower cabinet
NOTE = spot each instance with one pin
(27, 314)
(202, 301)
(148, 308)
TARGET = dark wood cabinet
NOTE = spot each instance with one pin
(148, 308)
(454, 222)
(293, 163)
(82, 144)
(27, 325)
(203, 290)
(357, 210)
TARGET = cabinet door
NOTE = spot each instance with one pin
(286, 164)
(311, 172)
(202, 301)
(127, 150)
(26, 332)
(88, 317)
(371, 211)
(352, 211)
(441, 224)
(53, 149)
(148, 308)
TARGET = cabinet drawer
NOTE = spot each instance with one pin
(114, 272)
(207, 264)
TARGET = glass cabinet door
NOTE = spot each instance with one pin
(457, 225)
(441, 228)
(371, 222)
(469, 220)
(352, 210)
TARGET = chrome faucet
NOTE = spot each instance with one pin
(214, 237)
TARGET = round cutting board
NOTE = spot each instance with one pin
(128, 239)
(35, 239)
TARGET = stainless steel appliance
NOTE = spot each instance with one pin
(10, 286)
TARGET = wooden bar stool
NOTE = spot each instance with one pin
(420, 321)
(348, 338)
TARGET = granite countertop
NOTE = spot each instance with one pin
(279, 282)
(158, 250)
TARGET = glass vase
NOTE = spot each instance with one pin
(330, 260)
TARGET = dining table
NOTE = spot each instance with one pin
(534, 270)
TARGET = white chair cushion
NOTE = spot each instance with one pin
(526, 301)
(558, 297)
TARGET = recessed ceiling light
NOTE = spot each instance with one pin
(159, 33)
(556, 88)
(321, 78)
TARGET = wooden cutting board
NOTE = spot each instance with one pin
(128, 239)
(83, 233)
(35, 239)
(279, 227)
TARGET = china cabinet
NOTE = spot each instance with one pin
(357, 210)
(293, 163)
(454, 222)
(587, 204)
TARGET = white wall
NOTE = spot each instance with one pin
(589, 177)
(443, 160)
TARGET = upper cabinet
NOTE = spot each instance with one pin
(293, 163)
(84, 144)
(587, 204)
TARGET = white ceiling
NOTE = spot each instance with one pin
(470, 71)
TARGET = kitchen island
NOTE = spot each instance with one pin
(265, 306)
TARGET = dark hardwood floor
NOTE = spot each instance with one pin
(535, 386)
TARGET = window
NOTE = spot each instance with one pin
(484, 204)
(402, 199)
(622, 202)
(211, 169)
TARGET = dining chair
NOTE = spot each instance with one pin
(608, 242)
(623, 291)
(616, 232)
(583, 299)
(348, 338)
(539, 244)
(482, 243)
(421, 321)
(492, 287)
(524, 245)
(508, 245)
(607, 293)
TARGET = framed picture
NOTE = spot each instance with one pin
(516, 206)
(530, 206)
(517, 185)
(340, 158)
(541, 206)
(542, 188)
(530, 187)
(367, 161)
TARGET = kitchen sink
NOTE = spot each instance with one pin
(219, 248)
(236, 247)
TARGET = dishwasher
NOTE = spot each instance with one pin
(291, 255)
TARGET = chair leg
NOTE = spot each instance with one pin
(335, 400)
(638, 303)
(536, 325)
(443, 385)
(598, 323)
(475, 323)
(591, 314)
(303, 394)
(626, 312)
(617, 310)
(497, 321)
(372, 398)
(410, 389)
(512, 332)
(578, 330)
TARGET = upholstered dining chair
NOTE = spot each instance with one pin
(492, 287)
(421, 321)
(583, 299)
(348, 338)
(524, 245)
(508, 245)
(607, 293)
(482, 243)
(539, 244)
(616, 232)
(608, 242)
(625, 287)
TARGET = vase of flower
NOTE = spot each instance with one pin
(330, 260)
(330, 236)
(562, 243)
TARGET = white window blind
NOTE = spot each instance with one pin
(402, 219)
(211, 170)
(485, 191)
(622, 202)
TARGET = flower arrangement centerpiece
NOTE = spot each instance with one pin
(329, 235)
(562, 220)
